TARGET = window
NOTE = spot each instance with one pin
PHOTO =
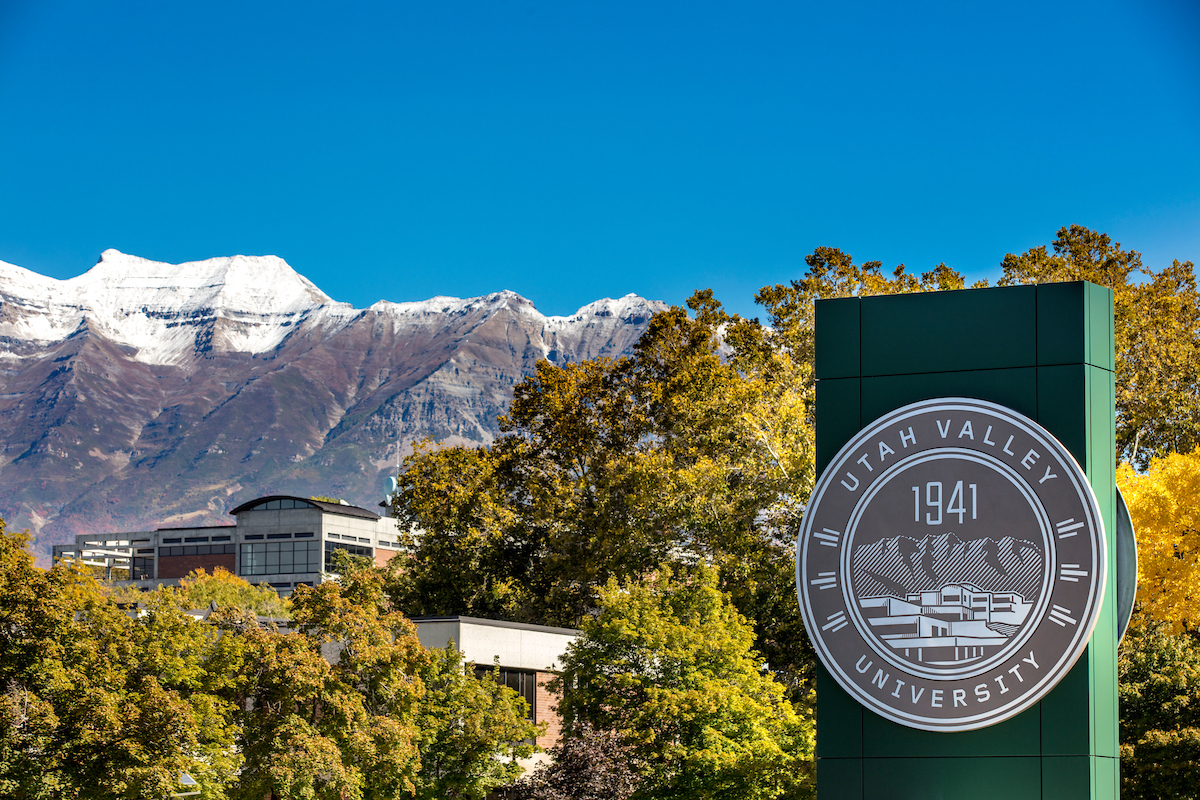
(279, 536)
(196, 539)
(352, 548)
(521, 681)
(144, 550)
(280, 558)
(254, 536)
(197, 550)
(220, 538)
(308, 535)
(171, 541)
(279, 505)
(142, 568)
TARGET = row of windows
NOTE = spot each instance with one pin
(257, 536)
(272, 505)
(190, 539)
(272, 558)
(198, 550)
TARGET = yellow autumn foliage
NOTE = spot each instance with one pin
(1164, 503)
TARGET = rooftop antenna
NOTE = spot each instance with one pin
(390, 494)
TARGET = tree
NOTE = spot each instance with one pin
(1164, 503)
(1157, 331)
(465, 560)
(472, 730)
(832, 274)
(668, 665)
(588, 765)
(1160, 713)
(199, 589)
(388, 718)
(103, 701)
(697, 447)
(95, 702)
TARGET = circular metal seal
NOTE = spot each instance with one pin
(951, 564)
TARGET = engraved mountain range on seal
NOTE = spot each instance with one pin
(902, 565)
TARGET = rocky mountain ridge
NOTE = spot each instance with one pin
(143, 394)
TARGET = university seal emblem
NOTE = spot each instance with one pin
(951, 564)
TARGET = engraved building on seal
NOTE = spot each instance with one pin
(942, 601)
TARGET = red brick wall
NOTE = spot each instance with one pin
(383, 556)
(180, 566)
(546, 711)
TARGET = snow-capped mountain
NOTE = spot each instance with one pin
(143, 394)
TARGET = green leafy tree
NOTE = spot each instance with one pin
(199, 589)
(472, 731)
(698, 447)
(96, 702)
(1160, 712)
(668, 664)
(1157, 332)
(351, 705)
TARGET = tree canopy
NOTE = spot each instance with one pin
(1157, 332)
(668, 665)
(1164, 502)
(103, 700)
(1160, 713)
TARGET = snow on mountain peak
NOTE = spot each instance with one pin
(237, 284)
(163, 311)
(167, 312)
(630, 308)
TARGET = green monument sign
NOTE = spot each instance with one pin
(953, 568)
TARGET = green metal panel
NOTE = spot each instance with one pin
(1080, 777)
(1102, 475)
(1075, 403)
(996, 778)
(840, 418)
(1106, 777)
(1067, 713)
(837, 349)
(840, 779)
(839, 720)
(1062, 326)
(1019, 736)
(1101, 340)
(1047, 352)
(1067, 778)
(943, 331)
(1015, 388)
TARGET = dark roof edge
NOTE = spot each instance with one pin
(502, 623)
(332, 508)
(193, 528)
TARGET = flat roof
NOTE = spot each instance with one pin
(193, 528)
(501, 623)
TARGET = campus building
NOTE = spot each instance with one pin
(279, 540)
(526, 657)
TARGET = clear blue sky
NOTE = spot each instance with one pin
(573, 150)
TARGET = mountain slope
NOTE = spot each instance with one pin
(143, 394)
